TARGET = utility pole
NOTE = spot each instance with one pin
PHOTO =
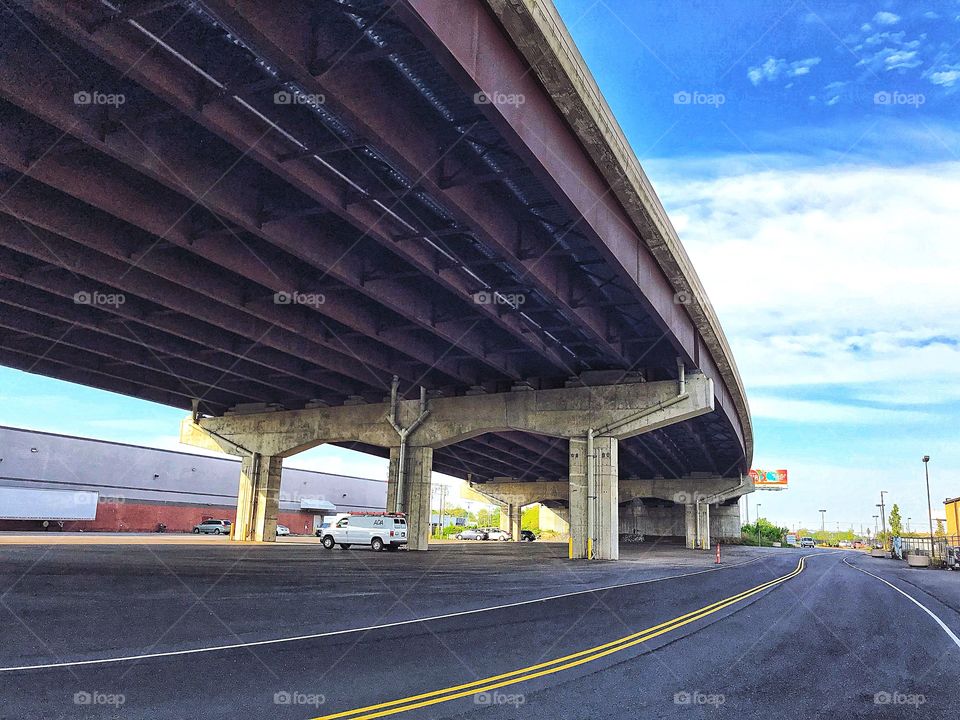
(443, 506)
(441, 490)
(926, 471)
(875, 518)
(908, 524)
(883, 517)
(758, 524)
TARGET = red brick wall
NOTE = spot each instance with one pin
(143, 517)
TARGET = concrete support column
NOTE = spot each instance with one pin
(414, 491)
(703, 526)
(510, 520)
(258, 498)
(578, 498)
(691, 521)
(606, 545)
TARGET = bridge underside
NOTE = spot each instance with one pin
(277, 206)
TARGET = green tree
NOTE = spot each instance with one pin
(941, 532)
(486, 518)
(769, 533)
(896, 522)
(530, 519)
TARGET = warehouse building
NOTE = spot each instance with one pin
(52, 482)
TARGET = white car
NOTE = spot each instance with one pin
(379, 531)
(282, 530)
(498, 534)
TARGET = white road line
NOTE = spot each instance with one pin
(920, 605)
(368, 628)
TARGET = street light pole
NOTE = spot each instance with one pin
(883, 518)
(908, 524)
(758, 524)
(875, 518)
(823, 522)
(926, 472)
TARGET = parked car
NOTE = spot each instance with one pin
(379, 531)
(497, 534)
(282, 530)
(472, 534)
(527, 536)
(213, 527)
(953, 558)
(807, 542)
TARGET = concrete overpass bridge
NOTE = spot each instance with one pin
(410, 228)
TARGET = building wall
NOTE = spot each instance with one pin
(952, 508)
(140, 487)
(657, 520)
(652, 519)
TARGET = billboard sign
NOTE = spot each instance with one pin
(769, 479)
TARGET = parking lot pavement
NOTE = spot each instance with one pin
(103, 596)
(296, 631)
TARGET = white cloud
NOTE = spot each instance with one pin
(774, 68)
(820, 411)
(903, 56)
(946, 76)
(829, 275)
(886, 18)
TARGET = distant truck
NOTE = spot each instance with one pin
(377, 530)
(18, 503)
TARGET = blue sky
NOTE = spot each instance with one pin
(809, 156)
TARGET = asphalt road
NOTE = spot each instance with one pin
(765, 635)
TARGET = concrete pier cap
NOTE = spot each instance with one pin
(593, 419)
(617, 411)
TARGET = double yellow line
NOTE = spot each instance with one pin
(556, 665)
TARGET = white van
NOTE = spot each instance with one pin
(379, 531)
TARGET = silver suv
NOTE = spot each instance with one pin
(213, 527)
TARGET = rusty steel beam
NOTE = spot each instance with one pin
(500, 448)
(263, 361)
(103, 381)
(127, 202)
(197, 381)
(45, 206)
(110, 328)
(629, 449)
(226, 187)
(135, 55)
(481, 455)
(42, 352)
(418, 143)
(123, 276)
(553, 449)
